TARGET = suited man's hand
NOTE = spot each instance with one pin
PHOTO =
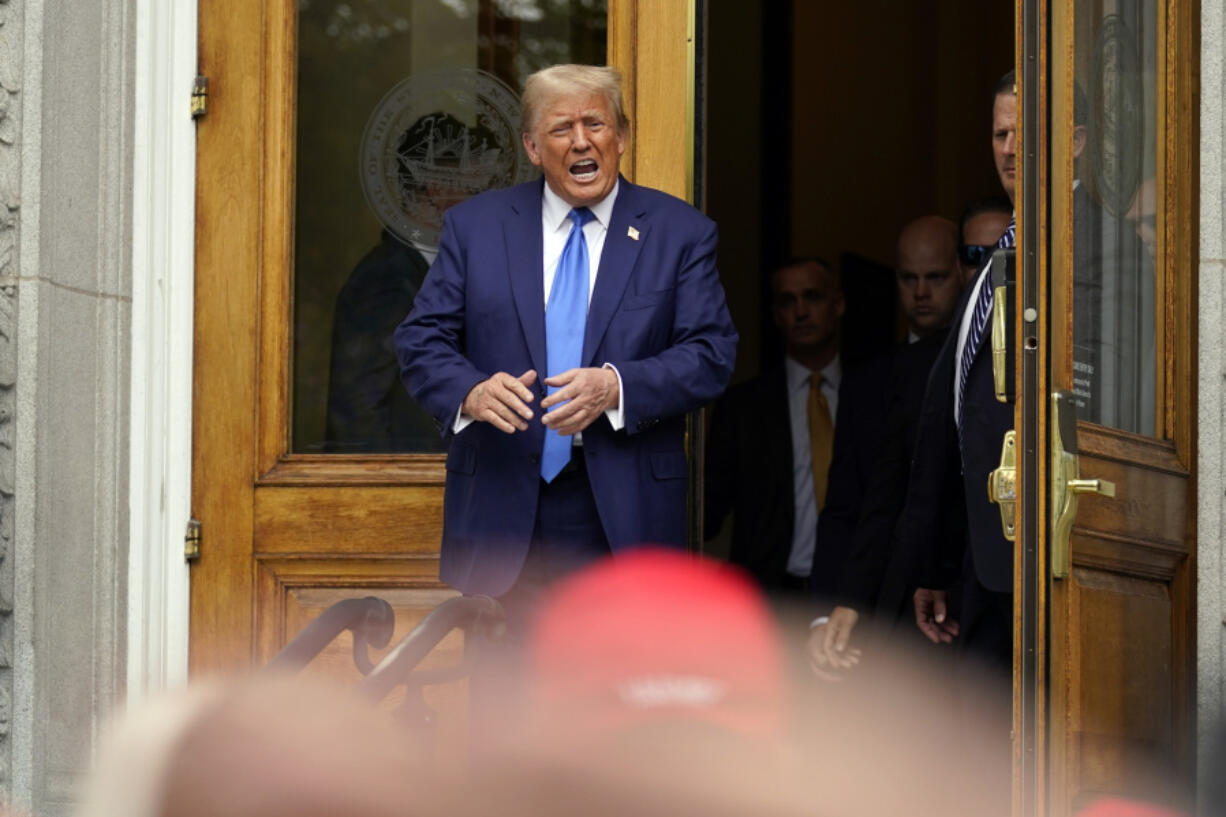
(590, 393)
(932, 618)
(827, 646)
(502, 400)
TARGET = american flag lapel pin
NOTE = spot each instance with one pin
(633, 233)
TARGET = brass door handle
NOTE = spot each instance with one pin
(1066, 482)
(1102, 487)
(1002, 485)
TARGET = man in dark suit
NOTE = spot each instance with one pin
(875, 575)
(562, 334)
(929, 283)
(769, 448)
(368, 408)
(961, 429)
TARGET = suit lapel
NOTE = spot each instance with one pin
(617, 261)
(525, 262)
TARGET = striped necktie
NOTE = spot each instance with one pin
(979, 324)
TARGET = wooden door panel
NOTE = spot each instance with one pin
(384, 519)
(1151, 488)
(1121, 707)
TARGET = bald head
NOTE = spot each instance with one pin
(929, 279)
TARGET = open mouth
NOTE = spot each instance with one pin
(584, 170)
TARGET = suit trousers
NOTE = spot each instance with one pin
(567, 537)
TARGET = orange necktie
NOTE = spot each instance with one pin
(821, 437)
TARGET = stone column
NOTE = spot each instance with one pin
(1211, 417)
(66, 79)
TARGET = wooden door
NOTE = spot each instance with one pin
(1105, 650)
(298, 225)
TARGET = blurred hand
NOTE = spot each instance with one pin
(588, 393)
(502, 401)
(827, 644)
(932, 618)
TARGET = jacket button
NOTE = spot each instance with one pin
(535, 458)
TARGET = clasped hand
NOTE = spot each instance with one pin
(504, 400)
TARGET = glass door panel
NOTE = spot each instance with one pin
(404, 109)
(1115, 149)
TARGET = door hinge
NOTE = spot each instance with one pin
(200, 97)
(191, 542)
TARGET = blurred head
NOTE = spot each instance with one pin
(1004, 132)
(929, 279)
(656, 642)
(982, 224)
(574, 130)
(261, 747)
(807, 305)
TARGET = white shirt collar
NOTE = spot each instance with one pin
(798, 374)
(556, 211)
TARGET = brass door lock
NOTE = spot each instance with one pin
(1002, 485)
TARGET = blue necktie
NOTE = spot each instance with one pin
(565, 322)
(979, 324)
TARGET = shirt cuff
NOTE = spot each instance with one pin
(462, 420)
(617, 416)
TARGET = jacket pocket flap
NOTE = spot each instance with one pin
(642, 300)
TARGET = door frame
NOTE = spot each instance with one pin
(160, 388)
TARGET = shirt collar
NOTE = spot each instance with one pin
(798, 374)
(555, 211)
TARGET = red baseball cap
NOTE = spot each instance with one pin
(655, 636)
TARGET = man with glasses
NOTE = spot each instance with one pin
(982, 224)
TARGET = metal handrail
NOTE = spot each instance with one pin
(476, 615)
(370, 619)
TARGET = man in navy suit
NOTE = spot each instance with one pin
(561, 336)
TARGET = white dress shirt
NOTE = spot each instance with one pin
(805, 510)
(555, 229)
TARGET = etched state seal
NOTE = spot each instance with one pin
(434, 140)
(1117, 124)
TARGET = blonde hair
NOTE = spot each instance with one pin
(557, 80)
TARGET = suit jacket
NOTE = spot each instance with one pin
(877, 574)
(749, 473)
(950, 471)
(657, 313)
(859, 428)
